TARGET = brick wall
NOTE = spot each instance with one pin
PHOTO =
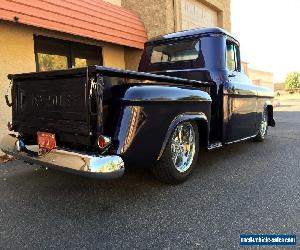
(153, 14)
(163, 16)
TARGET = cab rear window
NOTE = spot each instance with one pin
(176, 52)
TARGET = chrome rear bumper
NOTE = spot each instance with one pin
(95, 166)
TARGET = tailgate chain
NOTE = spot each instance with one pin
(96, 90)
(9, 104)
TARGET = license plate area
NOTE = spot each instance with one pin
(46, 141)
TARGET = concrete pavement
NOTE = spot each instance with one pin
(239, 189)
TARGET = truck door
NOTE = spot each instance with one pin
(240, 99)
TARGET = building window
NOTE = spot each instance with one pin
(55, 54)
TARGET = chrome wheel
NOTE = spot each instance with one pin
(183, 146)
(264, 124)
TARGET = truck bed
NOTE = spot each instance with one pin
(71, 103)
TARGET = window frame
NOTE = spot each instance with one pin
(167, 43)
(70, 49)
(237, 56)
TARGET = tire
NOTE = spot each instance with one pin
(180, 155)
(263, 129)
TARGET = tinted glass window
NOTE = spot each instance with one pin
(55, 54)
(232, 57)
(181, 51)
(51, 54)
(85, 55)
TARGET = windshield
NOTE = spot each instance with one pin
(179, 51)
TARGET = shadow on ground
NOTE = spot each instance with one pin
(242, 188)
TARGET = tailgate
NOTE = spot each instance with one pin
(56, 103)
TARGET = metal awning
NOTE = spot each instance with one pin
(93, 19)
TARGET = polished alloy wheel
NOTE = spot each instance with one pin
(183, 146)
(264, 124)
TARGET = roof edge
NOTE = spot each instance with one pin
(190, 33)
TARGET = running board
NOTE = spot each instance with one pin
(214, 145)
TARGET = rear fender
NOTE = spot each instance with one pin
(149, 114)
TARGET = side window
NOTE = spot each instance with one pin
(232, 57)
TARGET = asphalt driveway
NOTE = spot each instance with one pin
(243, 188)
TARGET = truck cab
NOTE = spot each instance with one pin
(212, 55)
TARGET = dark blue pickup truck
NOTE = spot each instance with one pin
(190, 92)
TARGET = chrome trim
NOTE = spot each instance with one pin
(183, 146)
(264, 124)
(240, 140)
(214, 145)
(95, 166)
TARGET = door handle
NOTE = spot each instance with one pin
(231, 75)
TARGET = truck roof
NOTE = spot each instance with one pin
(190, 33)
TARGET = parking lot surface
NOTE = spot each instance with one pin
(239, 189)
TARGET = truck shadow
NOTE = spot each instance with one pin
(61, 196)
(33, 199)
(45, 182)
(67, 188)
(134, 176)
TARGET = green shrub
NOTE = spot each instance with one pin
(292, 81)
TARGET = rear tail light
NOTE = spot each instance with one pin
(103, 142)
